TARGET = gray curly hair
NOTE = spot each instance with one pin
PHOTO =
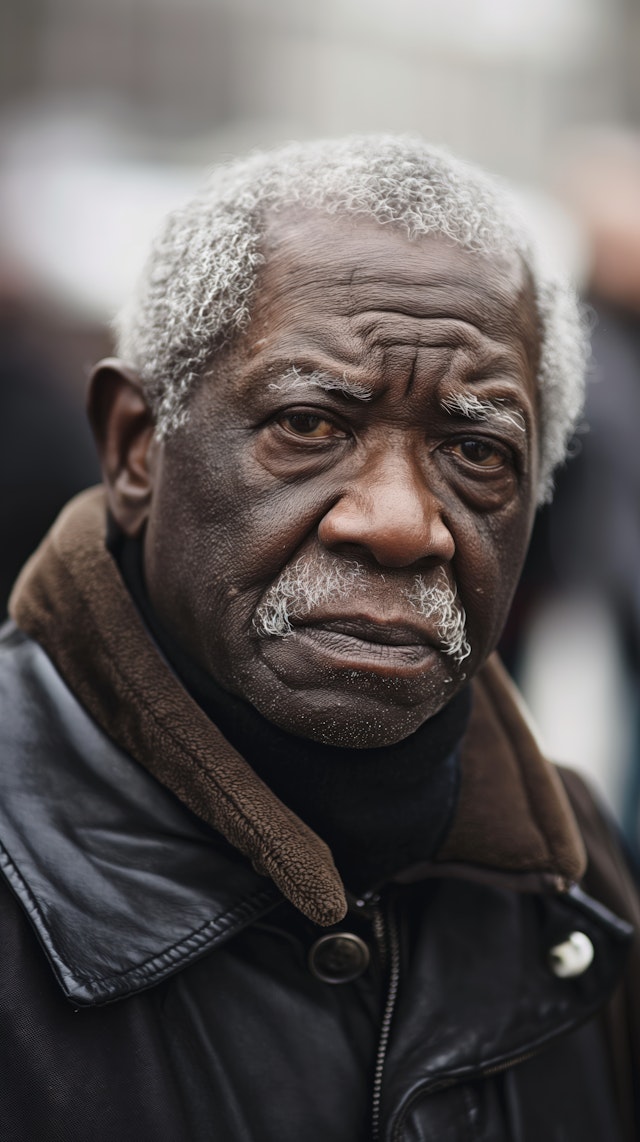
(195, 292)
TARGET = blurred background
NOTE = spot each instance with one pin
(110, 115)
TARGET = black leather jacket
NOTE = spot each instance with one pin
(155, 988)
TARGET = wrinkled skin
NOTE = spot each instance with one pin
(261, 477)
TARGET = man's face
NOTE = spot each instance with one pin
(358, 476)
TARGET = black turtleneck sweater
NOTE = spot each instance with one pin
(379, 810)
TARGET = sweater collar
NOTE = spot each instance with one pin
(512, 814)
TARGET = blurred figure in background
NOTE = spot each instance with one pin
(582, 582)
(46, 453)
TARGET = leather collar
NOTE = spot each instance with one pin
(82, 825)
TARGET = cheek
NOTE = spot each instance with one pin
(487, 568)
(189, 541)
(211, 554)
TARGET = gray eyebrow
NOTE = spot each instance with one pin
(295, 379)
(498, 410)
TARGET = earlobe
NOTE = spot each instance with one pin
(123, 427)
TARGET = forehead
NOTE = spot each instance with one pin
(347, 292)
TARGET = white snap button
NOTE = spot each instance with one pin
(572, 957)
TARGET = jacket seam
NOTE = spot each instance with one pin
(218, 926)
(198, 937)
(24, 893)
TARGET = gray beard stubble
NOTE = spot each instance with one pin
(301, 588)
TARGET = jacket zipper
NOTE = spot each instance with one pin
(386, 933)
(385, 930)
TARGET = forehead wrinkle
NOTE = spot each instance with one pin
(411, 366)
(444, 363)
(436, 333)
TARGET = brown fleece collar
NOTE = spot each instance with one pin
(512, 814)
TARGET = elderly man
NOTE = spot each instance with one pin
(281, 858)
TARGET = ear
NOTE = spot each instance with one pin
(123, 428)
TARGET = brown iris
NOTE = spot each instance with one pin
(310, 425)
(479, 452)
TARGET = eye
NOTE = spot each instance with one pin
(481, 453)
(310, 425)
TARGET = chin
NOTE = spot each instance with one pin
(353, 725)
(368, 735)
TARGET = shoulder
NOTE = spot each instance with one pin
(609, 876)
(611, 880)
(26, 673)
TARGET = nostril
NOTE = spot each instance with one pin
(395, 531)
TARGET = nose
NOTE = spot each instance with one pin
(391, 514)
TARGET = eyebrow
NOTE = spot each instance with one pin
(472, 408)
(295, 379)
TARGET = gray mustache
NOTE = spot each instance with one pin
(302, 587)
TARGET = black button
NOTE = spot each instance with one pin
(338, 958)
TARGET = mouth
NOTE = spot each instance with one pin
(378, 632)
(390, 650)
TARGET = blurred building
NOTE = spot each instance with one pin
(492, 78)
(108, 112)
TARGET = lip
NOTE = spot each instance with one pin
(388, 650)
(370, 630)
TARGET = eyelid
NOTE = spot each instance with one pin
(328, 411)
(495, 435)
(508, 455)
(318, 414)
(498, 453)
